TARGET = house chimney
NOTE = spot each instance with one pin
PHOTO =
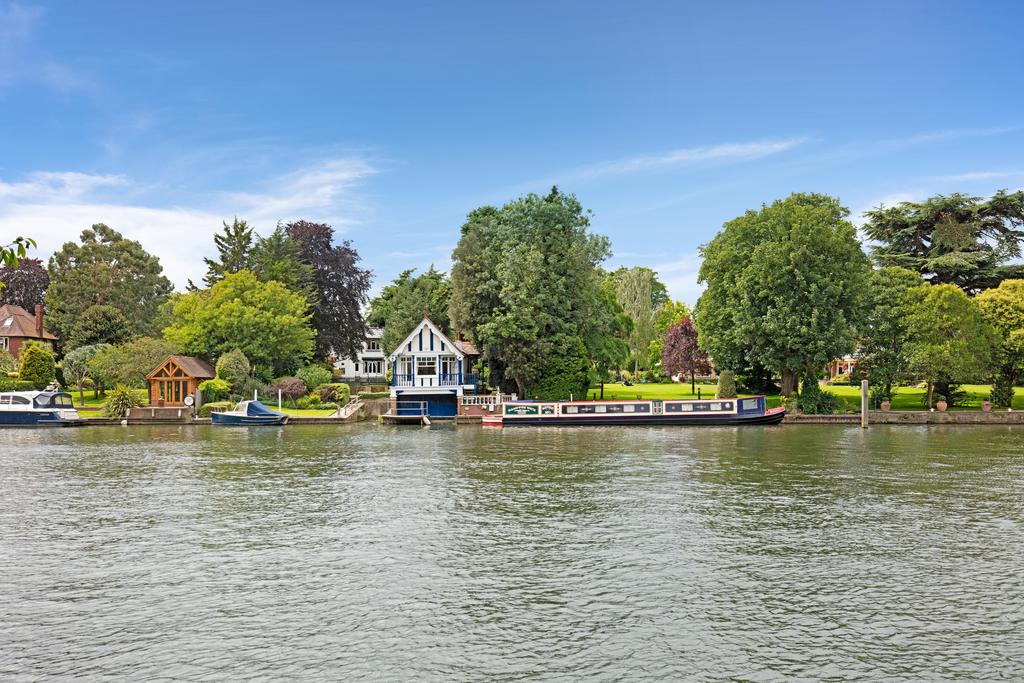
(39, 321)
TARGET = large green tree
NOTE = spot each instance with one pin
(265, 320)
(607, 336)
(950, 341)
(785, 288)
(670, 314)
(966, 241)
(1003, 309)
(105, 269)
(128, 363)
(234, 246)
(402, 304)
(99, 324)
(525, 280)
(884, 333)
(642, 296)
(279, 257)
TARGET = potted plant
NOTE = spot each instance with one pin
(986, 406)
(941, 405)
(885, 406)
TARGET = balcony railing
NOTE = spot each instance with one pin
(453, 380)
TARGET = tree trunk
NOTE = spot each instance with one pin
(929, 394)
(789, 378)
(81, 393)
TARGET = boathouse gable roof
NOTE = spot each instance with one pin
(426, 337)
(196, 368)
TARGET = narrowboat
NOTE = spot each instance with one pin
(248, 413)
(723, 411)
(37, 409)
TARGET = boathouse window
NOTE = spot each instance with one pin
(426, 365)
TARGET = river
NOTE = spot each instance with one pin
(443, 553)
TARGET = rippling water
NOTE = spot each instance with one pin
(607, 554)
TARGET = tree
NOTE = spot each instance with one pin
(961, 240)
(884, 333)
(402, 304)
(106, 269)
(75, 365)
(524, 285)
(950, 341)
(265, 320)
(341, 288)
(234, 368)
(278, 257)
(234, 246)
(37, 366)
(99, 325)
(13, 252)
(785, 288)
(607, 337)
(1003, 309)
(670, 314)
(681, 355)
(24, 284)
(129, 363)
(642, 297)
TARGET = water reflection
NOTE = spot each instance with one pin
(460, 553)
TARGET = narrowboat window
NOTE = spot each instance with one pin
(426, 365)
(615, 409)
(600, 409)
(629, 408)
(570, 410)
(686, 407)
(727, 405)
(749, 404)
(716, 406)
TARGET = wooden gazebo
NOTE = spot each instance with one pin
(176, 378)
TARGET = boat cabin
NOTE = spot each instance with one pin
(177, 378)
(430, 373)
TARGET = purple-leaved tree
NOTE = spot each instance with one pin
(680, 355)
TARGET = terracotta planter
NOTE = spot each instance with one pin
(886, 406)
(160, 403)
(986, 406)
(941, 405)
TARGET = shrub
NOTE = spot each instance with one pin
(214, 406)
(291, 388)
(314, 376)
(99, 324)
(566, 373)
(234, 368)
(37, 367)
(338, 392)
(214, 390)
(814, 401)
(15, 384)
(121, 400)
(726, 385)
(1002, 390)
(369, 395)
(7, 362)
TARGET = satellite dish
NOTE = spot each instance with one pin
(189, 401)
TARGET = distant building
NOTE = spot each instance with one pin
(18, 326)
(847, 365)
(369, 366)
(430, 370)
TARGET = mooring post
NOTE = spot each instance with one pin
(864, 404)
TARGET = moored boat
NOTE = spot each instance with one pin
(725, 411)
(248, 413)
(37, 409)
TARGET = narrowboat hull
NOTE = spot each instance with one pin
(772, 418)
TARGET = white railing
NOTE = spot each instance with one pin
(487, 400)
(349, 408)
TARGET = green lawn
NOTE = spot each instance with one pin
(308, 412)
(906, 398)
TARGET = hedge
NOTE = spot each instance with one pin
(214, 406)
(12, 384)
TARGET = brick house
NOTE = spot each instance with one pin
(18, 326)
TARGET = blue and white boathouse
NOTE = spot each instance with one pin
(430, 373)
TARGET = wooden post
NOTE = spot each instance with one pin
(864, 404)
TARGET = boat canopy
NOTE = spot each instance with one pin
(257, 409)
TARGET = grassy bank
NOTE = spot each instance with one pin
(906, 398)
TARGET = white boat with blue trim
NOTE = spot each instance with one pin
(37, 409)
(722, 411)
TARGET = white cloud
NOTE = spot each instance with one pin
(54, 208)
(728, 152)
(680, 277)
(977, 175)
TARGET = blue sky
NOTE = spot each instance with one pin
(393, 120)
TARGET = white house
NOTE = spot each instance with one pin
(429, 370)
(369, 366)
